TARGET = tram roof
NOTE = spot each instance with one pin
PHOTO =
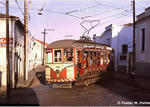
(70, 43)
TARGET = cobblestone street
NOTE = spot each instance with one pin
(106, 92)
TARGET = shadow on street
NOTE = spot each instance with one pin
(40, 74)
(125, 88)
(20, 97)
(41, 77)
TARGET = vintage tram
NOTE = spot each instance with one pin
(79, 62)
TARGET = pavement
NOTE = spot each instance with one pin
(31, 77)
(25, 84)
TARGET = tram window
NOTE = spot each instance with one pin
(68, 55)
(49, 57)
(78, 56)
(94, 58)
(91, 61)
(57, 55)
(98, 58)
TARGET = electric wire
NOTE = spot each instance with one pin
(67, 13)
(2, 3)
(116, 18)
(33, 12)
(105, 4)
(83, 9)
(19, 7)
(123, 13)
(44, 5)
(104, 12)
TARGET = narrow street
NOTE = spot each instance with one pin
(106, 92)
(103, 93)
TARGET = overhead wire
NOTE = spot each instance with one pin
(123, 13)
(105, 4)
(2, 3)
(38, 9)
(74, 16)
(44, 4)
(83, 9)
(68, 13)
(116, 18)
(19, 7)
(81, 18)
(88, 30)
(105, 12)
(33, 11)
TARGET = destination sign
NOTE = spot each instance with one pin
(92, 46)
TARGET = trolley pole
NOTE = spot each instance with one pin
(44, 33)
(134, 39)
(26, 3)
(7, 51)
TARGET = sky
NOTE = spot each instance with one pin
(65, 16)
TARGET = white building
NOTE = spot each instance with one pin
(30, 52)
(16, 34)
(34, 51)
(35, 56)
(120, 39)
(143, 43)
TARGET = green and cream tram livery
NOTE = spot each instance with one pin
(77, 61)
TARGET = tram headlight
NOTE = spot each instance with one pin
(57, 71)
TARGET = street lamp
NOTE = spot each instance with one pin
(44, 42)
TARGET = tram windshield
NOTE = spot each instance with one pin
(57, 56)
(68, 54)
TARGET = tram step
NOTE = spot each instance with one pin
(62, 85)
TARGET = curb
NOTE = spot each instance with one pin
(27, 83)
(2, 90)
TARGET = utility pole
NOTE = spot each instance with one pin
(7, 51)
(26, 4)
(134, 39)
(44, 33)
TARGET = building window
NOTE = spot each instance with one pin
(143, 39)
(123, 57)
(124, 49)
(108, 41)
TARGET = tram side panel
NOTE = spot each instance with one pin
(94, 61)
